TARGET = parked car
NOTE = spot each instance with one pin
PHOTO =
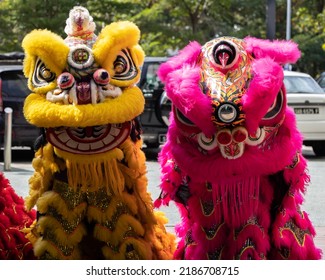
(307, 99)
(154, 119)
(13, 91)
(321, 80)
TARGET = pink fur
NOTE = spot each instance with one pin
(263, 89)
(183, 87)
(243, 204)
(187, 56)
(281, 52)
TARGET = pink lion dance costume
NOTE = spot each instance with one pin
(233, 161)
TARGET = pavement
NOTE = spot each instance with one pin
(20, 172)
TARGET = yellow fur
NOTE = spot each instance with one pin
(111, 40)
(86, 170)
(142, 247)
(50, 48)
(62, 236)
(41, 246)
(125, 223)
(44, 166)
(42, 113)
(52, 199)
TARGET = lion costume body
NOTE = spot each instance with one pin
(14, 220)
(89, 184)
(233, 161)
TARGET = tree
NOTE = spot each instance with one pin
(168, 25)
(7, 27)
(22, 16)
(308, 30)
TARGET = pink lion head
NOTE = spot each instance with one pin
(229, 99)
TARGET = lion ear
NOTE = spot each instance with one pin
(45, 58)
(281, 51)
(117, 50)
(187, 56)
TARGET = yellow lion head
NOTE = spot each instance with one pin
(84, 95)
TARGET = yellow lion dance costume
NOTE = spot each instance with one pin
(89, 184)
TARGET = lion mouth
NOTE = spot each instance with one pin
(82, 92)
(88, 140)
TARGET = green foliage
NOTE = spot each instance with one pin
(168, 25)
(22, 16)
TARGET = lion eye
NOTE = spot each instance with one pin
(276, 107)
(42, 75)
(119, 65)
(46, 73)
(124, 67)
(182, 118)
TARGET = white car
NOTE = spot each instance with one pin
(307, 99)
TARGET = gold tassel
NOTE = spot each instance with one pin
(92, 172)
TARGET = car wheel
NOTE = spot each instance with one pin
(319, 148)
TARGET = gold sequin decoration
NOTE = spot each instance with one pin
(297, 232)
(68, 226)
(207, 207)
(133, 255)
(47, 256)
(115, 248)
(66, 250)
(247, 245)
(212, 231)
(208, 186)
(130, 233)
(285, 253)
(252, 221)
(188, 238)
(100, 199)
(295, 161)
(71, 197)
(216, 255)
(120, 210)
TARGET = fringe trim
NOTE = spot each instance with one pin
(92, 172)
(236, 201)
